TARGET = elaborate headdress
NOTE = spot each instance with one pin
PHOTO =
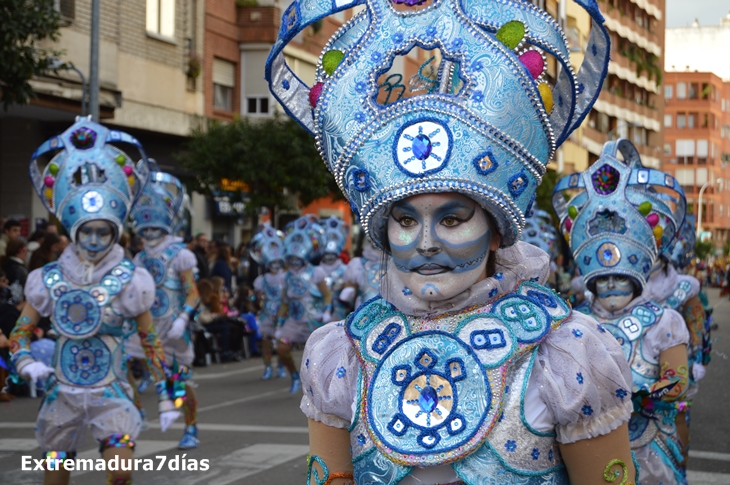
(621, 216)
(335, 234)
(184, 214)
(89, 178)
(682, 250)
(160, 203)
(486, 124)
(267, 246)
(539, 231)
(304, 238)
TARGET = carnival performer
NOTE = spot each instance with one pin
(94, 296)
(539, 231)
(621, 219)
(156, 216)
(670, 289)
(362, 276)
(267, 249)
(335, 238)
(307, 300)
(466, 370)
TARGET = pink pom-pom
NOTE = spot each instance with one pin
(48, 181)
(314, 94)
(568, 225)
(534, 63)
(652, 219)
(127, 170)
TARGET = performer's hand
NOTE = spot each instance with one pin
(36, 370)
(178, 327)
(167, 418)
(698, 371)
(347, 294)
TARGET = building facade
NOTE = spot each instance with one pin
(697, 146)
(696, 48)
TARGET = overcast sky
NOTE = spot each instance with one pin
(681, 13)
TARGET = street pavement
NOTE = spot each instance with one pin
(252, 431)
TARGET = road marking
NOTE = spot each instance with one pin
(709, 455)
(241, 400)
(707, 478)
(219, 375)
(18, 444)
(231, 468)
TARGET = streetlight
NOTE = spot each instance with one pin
(58, 63)
(699, 209)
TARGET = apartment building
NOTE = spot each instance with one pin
(697, 146)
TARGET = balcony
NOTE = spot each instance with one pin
(258, 24)
(640, 35)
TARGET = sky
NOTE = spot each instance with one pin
(681, 13)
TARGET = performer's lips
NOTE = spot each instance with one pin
(431, 269)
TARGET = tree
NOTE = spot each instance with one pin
(703, 249)
(275, 157)
(23, 25)
(544, 197)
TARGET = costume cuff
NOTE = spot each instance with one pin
(597, 426)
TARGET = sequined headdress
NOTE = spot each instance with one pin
(267, 246)
(539, 231)
(160, 204)
(335, 234)
(621, 215)
(682, 250)
(486, 120)
(304, 239)
(89, 178)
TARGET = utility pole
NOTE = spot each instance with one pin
(94, 62)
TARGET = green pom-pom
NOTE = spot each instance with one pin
(511, 34)
(645, 208)
(331, 60)
(53, 168)
(572, 212)
(120, 159)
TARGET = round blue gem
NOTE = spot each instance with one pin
(428, 400)
(421, 147)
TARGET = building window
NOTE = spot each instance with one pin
(685, 177)
(681, 121)
(681, 90)
(667, 121)
(691, 120)
(257, 105)
(161, 17)
(669, 91)
(667, 149)
(224, 80)
(702, 151)
(67, 8)
(685, 151)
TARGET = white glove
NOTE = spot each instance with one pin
(347, 294)
(167, 418)
(327, 316)
(698, 371)
(36, 370)
(178, 327)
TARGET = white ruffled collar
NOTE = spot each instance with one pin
(515, 264)
(167, 241)
(83, 272)
(661, 286)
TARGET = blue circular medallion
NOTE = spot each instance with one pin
(77, 314)
(85, 362)
(422, 147)
(296, 310)
(161, 304)
(156, 269)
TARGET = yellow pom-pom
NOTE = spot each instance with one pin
(547, 96)
(178, 402)
(49, 193)
(658, 233)
(131, 181)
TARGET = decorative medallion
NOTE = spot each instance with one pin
(92, 201)
(605, 180)
(422, 148)
(608, 254)
(83, 138)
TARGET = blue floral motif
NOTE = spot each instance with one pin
(407, 291)
(550, 455)
(397, 38)
(360, 117)
(285, 84)
(621, 393)
(577, 333)
(361, 86)
(579, 377)
(431, 31)
(587, 410)
(499, 276)
(478, 96)
(306, 364)
(493, 292)
(361, 439)
(341, 372)
(376, 56)
(477, 66)
(458, 42)
(510, 446)
(601, 328)
(535, 453)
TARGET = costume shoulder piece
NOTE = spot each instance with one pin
(434, 388)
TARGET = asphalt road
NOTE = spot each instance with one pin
(252, 431)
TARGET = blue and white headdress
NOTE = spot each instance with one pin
(335, 234)
(621, 215)
(89, 178)
(160, 203)
(267, 246)
(304, 238)
(539, 231)
(182, 220)
(485, 123)
(682, 250)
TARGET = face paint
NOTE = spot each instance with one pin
(329, 258)
(152, 236)
(94, 240)
(294, 262)
(275, 267)
(614, 292)
(439, 243)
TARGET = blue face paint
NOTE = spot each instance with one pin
(95, 239)
(614, 292)
(439, 243)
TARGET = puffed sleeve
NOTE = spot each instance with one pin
(37, 294)
(258, 283)
(668, 332)
(583, 379)
(319, 275)
(353, 272)
(329, 376)
(184, 261)
(137, 296)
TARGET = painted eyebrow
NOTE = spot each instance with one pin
(405, 207)
(453, 206)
